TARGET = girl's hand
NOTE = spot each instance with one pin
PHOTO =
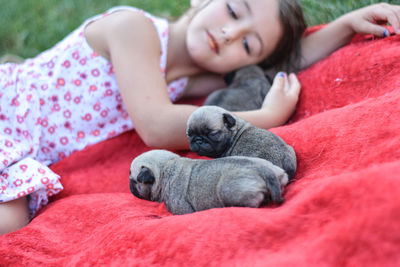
(369, 20)
(282, 98)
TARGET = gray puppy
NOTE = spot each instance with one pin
(214, 132)
(189, 185)
(246, 92)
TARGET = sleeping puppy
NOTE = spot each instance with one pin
(246, 92)
(215, 132)
(189, 185)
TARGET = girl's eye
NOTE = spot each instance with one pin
(231, 11)
(246, 45)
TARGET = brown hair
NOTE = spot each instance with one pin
(287, 54)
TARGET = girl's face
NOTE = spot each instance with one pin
(227, 34)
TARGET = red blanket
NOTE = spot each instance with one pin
(343, 208)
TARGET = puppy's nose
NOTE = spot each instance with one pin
(198, 140)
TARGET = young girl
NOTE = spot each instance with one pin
(122, 70)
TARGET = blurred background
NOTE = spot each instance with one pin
(28, 27)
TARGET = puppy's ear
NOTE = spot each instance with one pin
(229, 120)
(145, 176)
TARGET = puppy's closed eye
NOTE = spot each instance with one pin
(145, 176)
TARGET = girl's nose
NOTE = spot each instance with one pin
(232, 32)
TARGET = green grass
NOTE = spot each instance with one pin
(318, 12)
(28, 27)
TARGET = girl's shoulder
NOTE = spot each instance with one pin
(115, 9)
(125, 24)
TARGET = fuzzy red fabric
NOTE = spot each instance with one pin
(343, 208)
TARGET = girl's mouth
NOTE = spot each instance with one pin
(212, 42)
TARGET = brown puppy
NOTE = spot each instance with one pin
(189, 185)
(214, 132)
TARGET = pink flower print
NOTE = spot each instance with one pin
(61, 155)
(45, 150)
(75, 55)
(44, 180)
(87, 117)
(94, 54)
(50, 73)
(5, 163)
(44, 87)
(18, 182)
(54, 98)
(50, 186)
(31, 189)
(165, 33)
(118, 98)
(8, 131)
(82, 61)
(20, 119)
(95, 72)
(111, 71)
(21, 194)
(44, 123)
(60, 82)
(67, 96)
(119, 107)
(83, 75)
(3, 117)
(104, 113)
(97, 106)
(52, 145)
(108, 92)
(56, 107)
(81, 135)
(77, 100)
(50, 64)
(67, 125)
(8, 143)
(95, 132)
(77, 82)
(66, 64)
(15, 102)
(111, 134)
(41, 171)
(29, 97)
(51, 130)
(64, 140)
(23, 167)
(42, 102)
(92, 88)
(67, 114)
(25, 133)
(114, 120)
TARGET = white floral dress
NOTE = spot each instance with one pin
(59, 102)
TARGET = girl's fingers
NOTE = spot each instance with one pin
(376, 30)
(383, 13)
(294, 85)
(393, 16)
(279, 81)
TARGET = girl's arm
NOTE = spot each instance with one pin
(336, 34)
